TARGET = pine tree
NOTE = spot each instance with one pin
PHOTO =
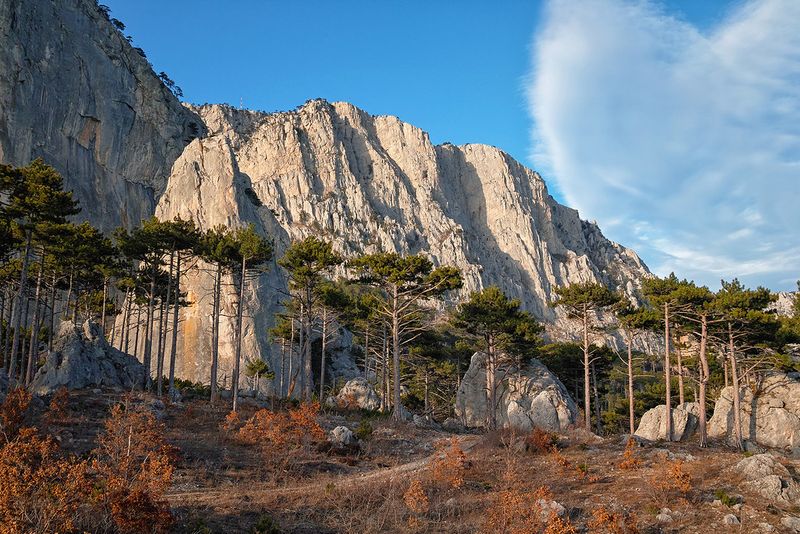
(583, 301)
(504, 330)
(404, 282)
(308, 263)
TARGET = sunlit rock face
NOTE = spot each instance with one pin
(371, 183)
(75, 92)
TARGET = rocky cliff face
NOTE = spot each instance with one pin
(372, 183)
(75, 92)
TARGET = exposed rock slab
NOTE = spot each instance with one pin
(770, 416)
(769, 478)
(81, 358)
(356, 393)
(653, 425)
(532, 397)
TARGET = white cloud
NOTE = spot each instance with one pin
(683, 145)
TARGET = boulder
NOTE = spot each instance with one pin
(528, 398)
(341, 436)
(81, 358)
(764, 475)
(453, 425)
(791, 522)
(653, 425)
(356, 393)
(770, 412)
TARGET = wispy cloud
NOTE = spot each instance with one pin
(682, 144)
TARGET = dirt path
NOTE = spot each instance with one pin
(209, 496)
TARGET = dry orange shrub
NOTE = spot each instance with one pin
(40, 492)
(540, 441)
(671, 482)
(59, 406)
(604, 521)
(13, 412)
(231, 422)
(136, 465)
(416, 499)
(517, 511)
(450, 464)
(280, 435)
(629, 459)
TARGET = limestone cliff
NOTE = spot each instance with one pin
(76, 93)
(372, 183)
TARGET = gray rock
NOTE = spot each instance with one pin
(81, 358)
(664, 518)
(775, 421)
(791, 522)
(550, 508)
(451, 424)
(422, 422)
(535, 397)
(653, 425)
(341, 436)
(766, 476)
(730, 519)
(356, 393)
(766, 527)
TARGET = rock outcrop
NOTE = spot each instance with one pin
(82, 358)
(356, 393)
(770, 416)
(76, 93)
(653, 425)
(532, 397)
(766, 476)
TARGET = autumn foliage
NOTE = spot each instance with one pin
(519, 511)
(606, 522)
(629, 459)
(449, 464)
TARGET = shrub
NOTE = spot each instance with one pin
(39, 491)
(629, 459)
(672, 481)
(266, 525)
(135, 465)
(13, 412)
(450, 464)
(59, 406)
(540, 441)
(725, 498)
(417, 502)
(604, 521)
(517, 511)
(364, 430)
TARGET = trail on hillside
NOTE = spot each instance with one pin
(348, 481)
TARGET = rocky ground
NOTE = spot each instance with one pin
(404, 478)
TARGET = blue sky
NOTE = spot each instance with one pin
(509, 74)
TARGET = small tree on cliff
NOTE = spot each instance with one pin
(404, 282)
(503, 329)
(583, 301)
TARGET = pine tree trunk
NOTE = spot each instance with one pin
(631, 412)
(737, 408)
(397, 415)
(587, 399)
(322, 356)
(491, 385)
(50, 330)
(292, 378)
(597, 415)
(2, 327)
(283, 367)
(667, 377)
(17, 311)
(126, 323)
(704, 376)
(176, 304)
(138, 326)
(148, 332)
(309, 373)
(237, 361)
(7, 345)
(33, 346)
(215, 334)
(103, 309)
(384, 365)
(159, 350)
(681, 397)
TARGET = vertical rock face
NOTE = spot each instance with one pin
(74, 92)
(371, 183)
